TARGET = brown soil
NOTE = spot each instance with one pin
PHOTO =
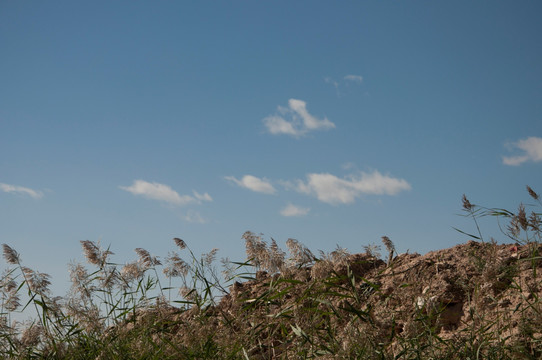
(473, 287)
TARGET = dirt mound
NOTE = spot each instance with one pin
(474, 298)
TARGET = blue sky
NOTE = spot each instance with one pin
(330, 122)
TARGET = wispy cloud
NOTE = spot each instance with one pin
(331, 81)
(278, 125)
(20, 190)
(330, 189)
(335, 84)
(253, 183)
(532, 151)
(345, 81)
(161, 192)
(194, 217)
(204, 197)
(354, 78)
(295, 120)
(293, 210)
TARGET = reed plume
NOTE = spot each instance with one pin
(390, 247)
(180, 243)
(175, 266)
(11, 256)
(533, 194)
(146, 259)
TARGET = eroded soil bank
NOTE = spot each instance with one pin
(474, 298)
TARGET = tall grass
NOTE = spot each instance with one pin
(293, 304)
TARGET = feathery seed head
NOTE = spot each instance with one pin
(78, 274)
(390, 247)
(37, 282)
(299, 254)
(256, 248)
(92, 252)
(131, 271)
(9, 295)
(466, 203)
(109, 280)
(339, 255)
(522, 217)
(514, 227)
(187, 293)
(146, 258)
(210, 257)
(532, 193)
(372, 250)
(11, 256)
(534, 221)
(388, 243)
(180, 243)
(10, 285)
(276, 257)
(79, 278)
(175, 266)
(12, 302)
(321, 269)
(32, 335)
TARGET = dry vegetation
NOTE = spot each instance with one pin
(478, 300)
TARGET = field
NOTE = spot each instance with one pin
(477, 300)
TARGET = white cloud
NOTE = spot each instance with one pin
(277, 125)
(253, 183)
(22, 190)
(514, 160)
(329, 80)
(354, 78)
(295, 120)
(161, 192)
(310, 122)
(330, 189)
(204, 197)
(194, 217)
(532, 146)
(292, 210)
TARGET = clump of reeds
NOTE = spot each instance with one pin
(294, 304)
